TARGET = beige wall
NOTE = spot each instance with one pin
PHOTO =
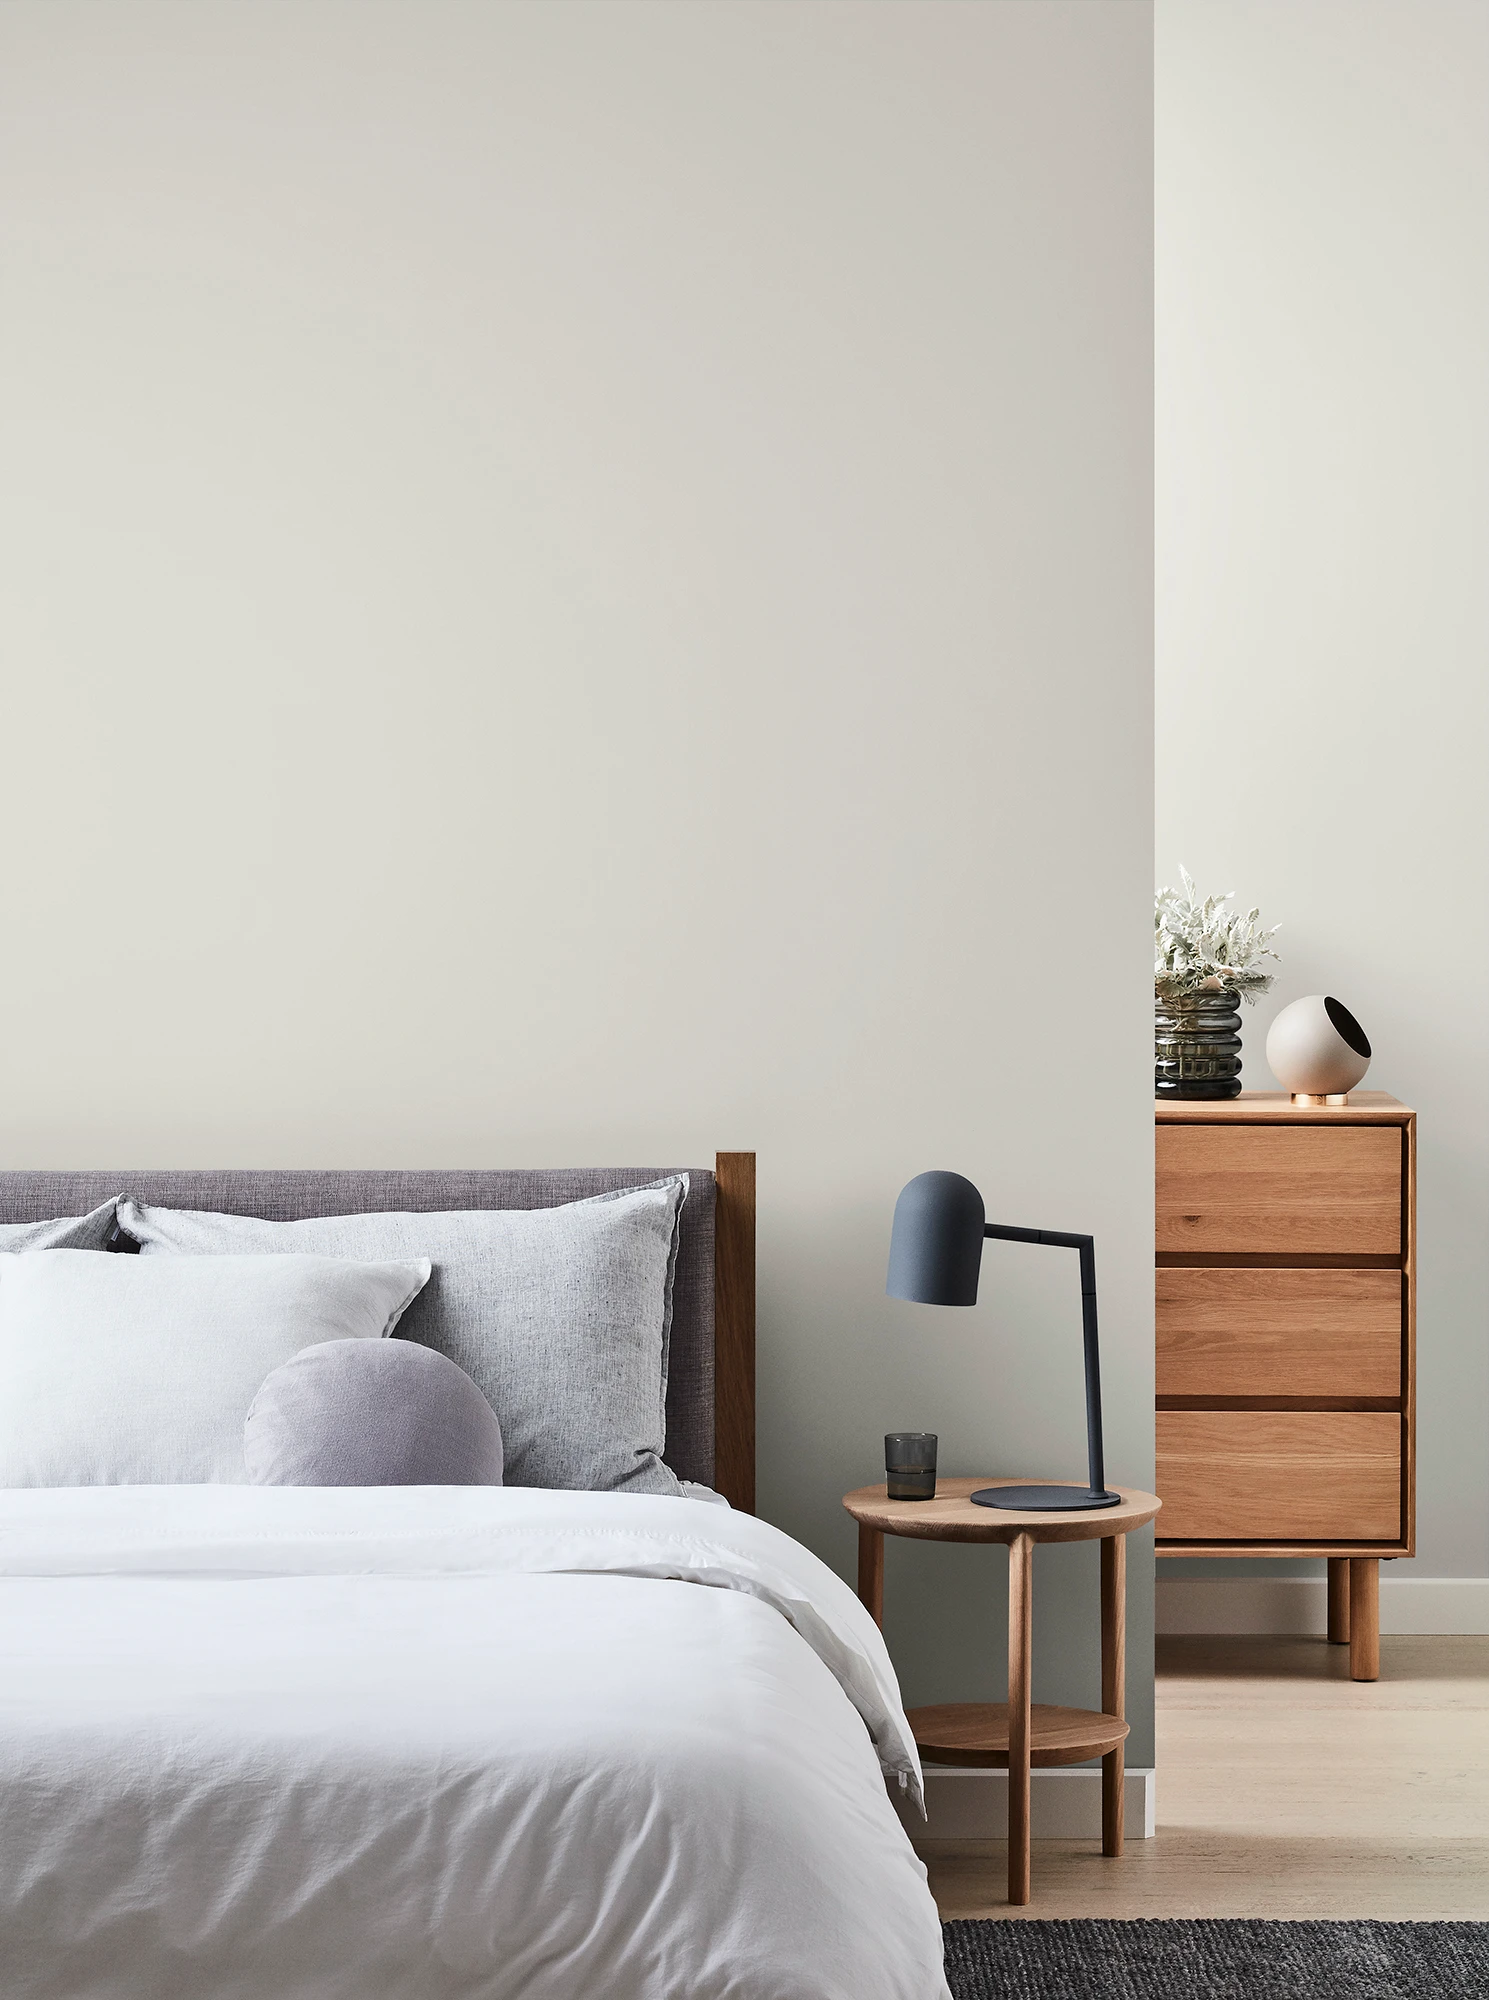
(1322, 206)
(580, 590)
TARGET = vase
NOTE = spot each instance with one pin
(1197, 1045)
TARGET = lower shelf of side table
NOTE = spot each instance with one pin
(976, 1732)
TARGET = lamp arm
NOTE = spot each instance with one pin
(1086, 1245)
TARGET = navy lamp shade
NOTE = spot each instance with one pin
(935, 1257)
(935, 1247)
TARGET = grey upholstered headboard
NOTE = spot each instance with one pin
(710, 1384)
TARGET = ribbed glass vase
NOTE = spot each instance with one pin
(1197, 1045)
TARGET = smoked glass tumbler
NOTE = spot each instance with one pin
(910, 1465)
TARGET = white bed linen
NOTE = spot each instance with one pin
(361, 1744)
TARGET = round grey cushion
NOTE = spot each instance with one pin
(371, 1413)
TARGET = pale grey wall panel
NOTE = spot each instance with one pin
(1322, 207)
(581, 590)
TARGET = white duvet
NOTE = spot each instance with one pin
(418, 1743)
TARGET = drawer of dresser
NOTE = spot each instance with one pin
(1279, 1475)
(1256, 1332)
(1270, 1189)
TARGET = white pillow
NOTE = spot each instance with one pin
(121, 1371)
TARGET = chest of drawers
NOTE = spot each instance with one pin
(1286, 1338)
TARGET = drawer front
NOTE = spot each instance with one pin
(1265, 1189)
(1279, 1475)
(1253, 1332)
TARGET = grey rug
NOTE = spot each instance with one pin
(1223, 1959)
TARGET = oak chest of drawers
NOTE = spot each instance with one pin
(1286, 1338)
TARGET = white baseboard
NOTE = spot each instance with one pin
(1063, 1805)
(1236, 1606)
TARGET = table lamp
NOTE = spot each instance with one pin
(935, 1253)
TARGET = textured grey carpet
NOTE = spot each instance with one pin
(989, 1959)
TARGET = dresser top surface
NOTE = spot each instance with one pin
(1275, 1107)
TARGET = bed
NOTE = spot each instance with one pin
(363, 1743)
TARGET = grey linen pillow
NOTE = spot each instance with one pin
(559, 1315)
(371, 1413)
(69, 1232)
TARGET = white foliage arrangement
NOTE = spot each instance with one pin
(1204, 946)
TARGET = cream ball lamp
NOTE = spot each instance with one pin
(1317, 1050)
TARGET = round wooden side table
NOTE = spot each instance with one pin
(1017, 1733)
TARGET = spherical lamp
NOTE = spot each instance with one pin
(1317, 1050)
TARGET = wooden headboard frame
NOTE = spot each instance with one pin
(734, 1328)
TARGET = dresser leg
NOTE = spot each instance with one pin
(1364, 1618)
(1113, 1683)
(1339, 1600)
(871, 1572)
(1020, 1677)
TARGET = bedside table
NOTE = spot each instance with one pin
(1018, 1733)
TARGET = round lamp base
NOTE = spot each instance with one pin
(1044, 1499)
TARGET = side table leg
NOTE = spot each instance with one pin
(871, 1572)
(1339, 1600)
(1364, 1618)
(1113, 1684)
(1020, 1675)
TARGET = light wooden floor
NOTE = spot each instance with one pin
(1285, 1789)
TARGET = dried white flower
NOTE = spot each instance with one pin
(1205, 946)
